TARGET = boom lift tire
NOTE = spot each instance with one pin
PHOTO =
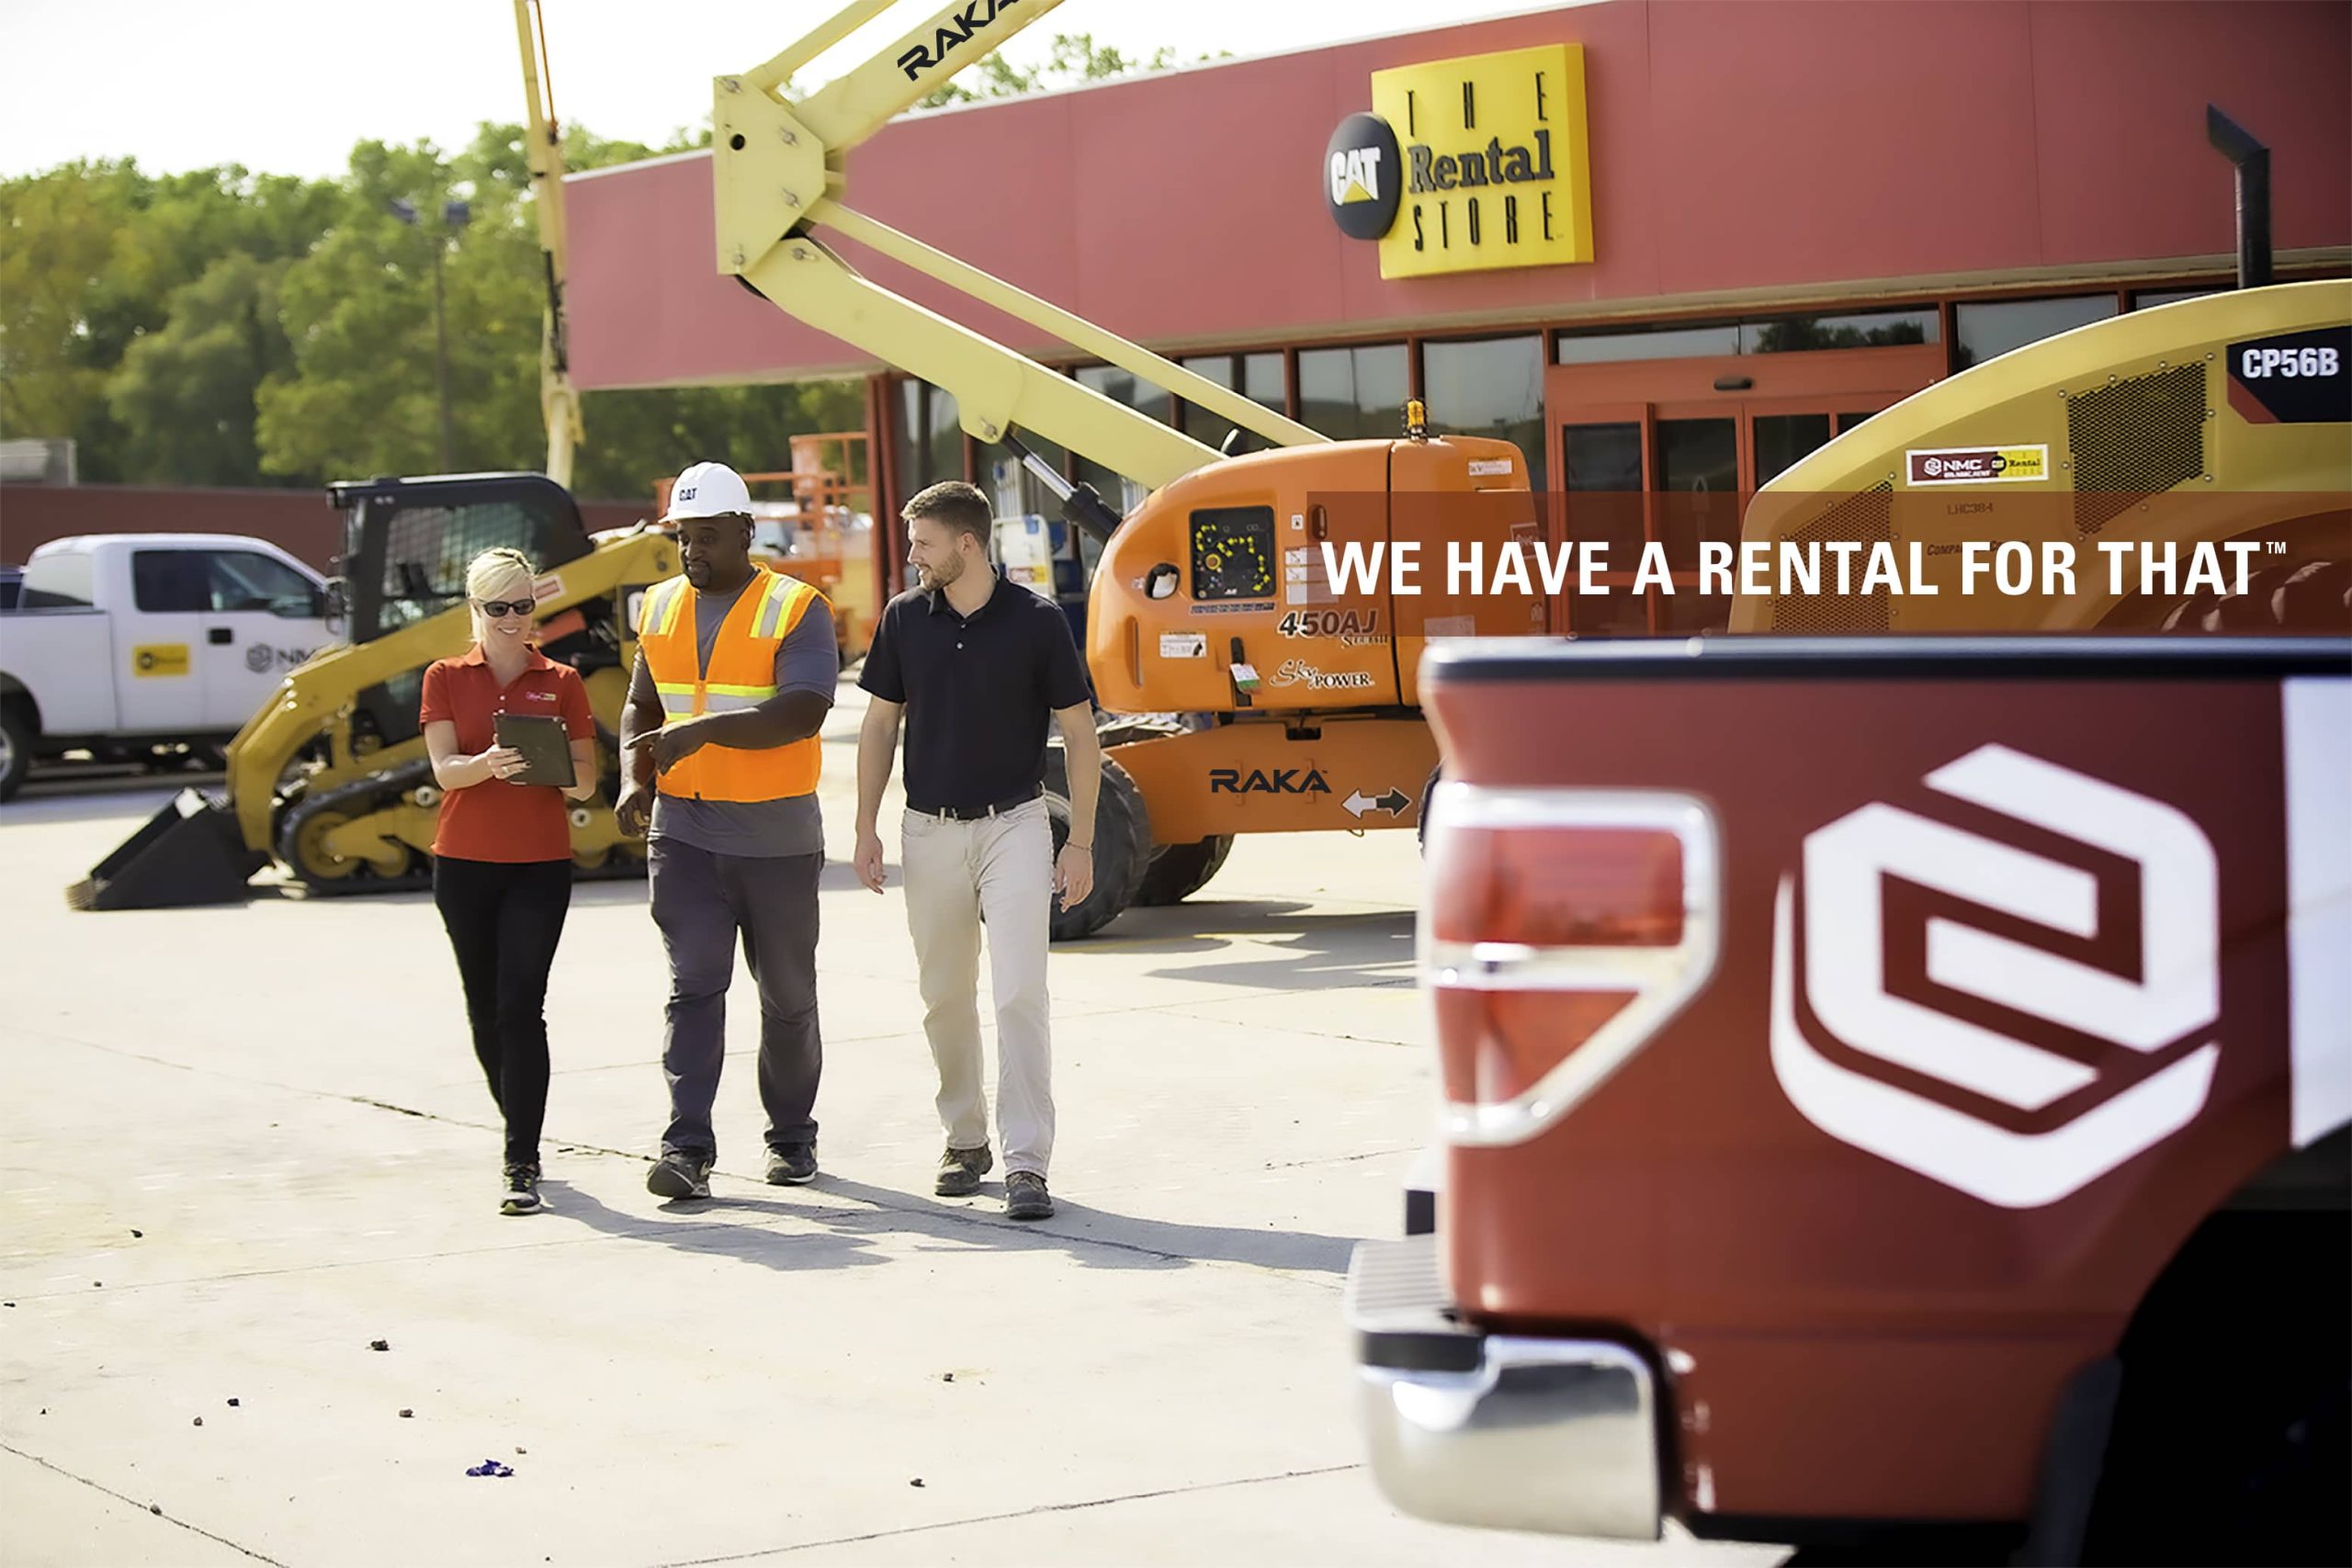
(1122, 844)
(1428, 793)
(1173, 872)
(1179, 871)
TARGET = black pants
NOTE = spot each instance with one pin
(704, 903)
(504, 919)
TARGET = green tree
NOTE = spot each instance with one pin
(361, 394)
(63, 320)
(94, 255)
(1076, 58)
(183, 397)
(220, 327)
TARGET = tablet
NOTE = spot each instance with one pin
(546, 746)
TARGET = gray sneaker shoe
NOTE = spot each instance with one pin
(960, 1171)
(1025, 1197)
(792, 1165)
(679, 1173)
(522, 1192)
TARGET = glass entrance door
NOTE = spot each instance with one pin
(1678, 459)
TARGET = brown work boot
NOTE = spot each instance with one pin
(1025, 1197)
(960, 1171)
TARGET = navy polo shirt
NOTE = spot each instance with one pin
(979, 690)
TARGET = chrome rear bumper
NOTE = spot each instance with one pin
(1504, 1431)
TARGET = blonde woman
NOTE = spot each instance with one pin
(501, 853)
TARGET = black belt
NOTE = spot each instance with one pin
(975, 813)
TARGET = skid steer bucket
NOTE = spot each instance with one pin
(189, 853)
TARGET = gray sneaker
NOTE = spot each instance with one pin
(679, 1173)
(1025, 1197)
(960, 1171)
(792, 1165)
(520, 1195)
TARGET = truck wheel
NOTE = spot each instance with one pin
(1429, 791)
(1122, 844)
(2219, 1457)
(16, 748)
(1179, 871)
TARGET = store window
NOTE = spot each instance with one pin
(1493, 386)
(1125, 494)
(1609, 345)
(1014, 491)
(930, 437)
(1876, 329)
(1261, 382)
(1354, 394)
(2149, 298)
(1763, 334)
(1995, 327)
(1016, 495)
(1604, 483)
(1780, 439)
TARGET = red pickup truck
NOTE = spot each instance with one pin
(1896, 1093)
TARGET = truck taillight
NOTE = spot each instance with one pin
(1566, 886)
(1561, 930)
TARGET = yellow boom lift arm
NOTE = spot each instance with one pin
(779, 173)
(543, 151)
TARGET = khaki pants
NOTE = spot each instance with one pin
(997, 871)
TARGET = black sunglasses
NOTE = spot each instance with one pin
(497, 608)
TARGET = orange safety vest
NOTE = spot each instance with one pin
(741, 675)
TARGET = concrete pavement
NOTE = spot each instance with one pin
(244, 1144)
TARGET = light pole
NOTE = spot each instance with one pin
(455, 215)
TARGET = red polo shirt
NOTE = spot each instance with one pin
(494, 820)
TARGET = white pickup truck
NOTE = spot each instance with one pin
(125, 644)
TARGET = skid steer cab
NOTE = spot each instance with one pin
(1254, 632)
(330, 782)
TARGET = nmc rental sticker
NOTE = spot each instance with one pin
(1977, 464)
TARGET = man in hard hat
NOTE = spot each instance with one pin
(735, 672)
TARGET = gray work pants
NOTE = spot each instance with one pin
(702, 902)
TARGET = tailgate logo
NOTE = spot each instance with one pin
(2056, 1014)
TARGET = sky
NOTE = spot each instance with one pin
(286, 86)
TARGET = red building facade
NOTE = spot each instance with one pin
(1802, 211)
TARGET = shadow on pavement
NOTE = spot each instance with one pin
(1309, 952)
(702, 1227)
(733, 1224)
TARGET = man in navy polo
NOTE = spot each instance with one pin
(978, 664)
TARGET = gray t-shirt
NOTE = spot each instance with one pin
(805, 662)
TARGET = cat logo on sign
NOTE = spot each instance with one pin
(159, 658)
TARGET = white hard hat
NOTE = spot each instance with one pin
(707, 489)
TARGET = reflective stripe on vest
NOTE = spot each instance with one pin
(741, 675)
(659, 612)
